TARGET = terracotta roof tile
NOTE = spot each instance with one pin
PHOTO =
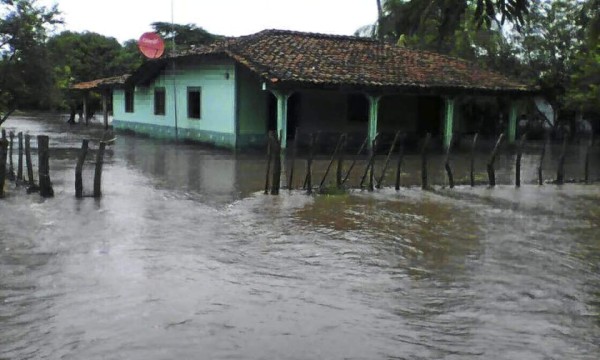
(287, 56)
(100, 83)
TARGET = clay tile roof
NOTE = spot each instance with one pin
(101, 83)
(280, 56)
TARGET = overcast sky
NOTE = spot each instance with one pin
(128, 19)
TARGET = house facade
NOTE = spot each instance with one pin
(234, 91)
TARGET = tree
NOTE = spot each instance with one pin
(25, 77)
(409, 17)
(184, 36)
(78, 57)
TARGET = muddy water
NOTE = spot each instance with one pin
(184, 258)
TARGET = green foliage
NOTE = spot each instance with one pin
(552, 43)
(184, 36)
(441, 19)
(26, 78)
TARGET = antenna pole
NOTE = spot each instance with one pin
(173, 68)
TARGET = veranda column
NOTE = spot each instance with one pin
(373, 115)
(282, 110)
(448, 120)
(512, 122)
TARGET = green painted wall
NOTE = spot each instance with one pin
(218, 95)
(252, 104)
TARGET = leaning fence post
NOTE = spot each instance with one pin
(560, 172)
(370, 165)
(98, 170)
(79, 169)
(360, 150)
(519, 156)
(20, 157)
(11, 168)
(490, 165)
(387, 160)
(30, 180)
(447, 163)
(3, 151)
(333, 157)
(587, 160)
(44, 167)
(424, 175)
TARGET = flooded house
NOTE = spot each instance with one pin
(232, 92)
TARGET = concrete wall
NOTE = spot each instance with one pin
(218, 96)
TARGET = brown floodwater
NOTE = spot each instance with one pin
(184, 258)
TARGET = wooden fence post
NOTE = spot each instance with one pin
(98, 170)
(269, 156)
(360, 150)
(340, 163)
(11, 168)
(387, 160)
(541, 164)
(424, 151)
(399, 165)
(560, 172)
(519, 156)
(333, 157)
(20, 157)
(276, 182)
(309, 161)
(29, 164)
(44, 167)
(473, 149)
(79, 169)
(370, 165)
(447, 163)
(3, 151)
(588, 150)
(293, 165)
(490, 165)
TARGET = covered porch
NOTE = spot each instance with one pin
(364, 114)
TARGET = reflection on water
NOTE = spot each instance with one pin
(184, 258)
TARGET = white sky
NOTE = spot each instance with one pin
(128, 19)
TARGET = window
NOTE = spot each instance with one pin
(194, 99)
(358, 108)
(129, 100)
(159, 101)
